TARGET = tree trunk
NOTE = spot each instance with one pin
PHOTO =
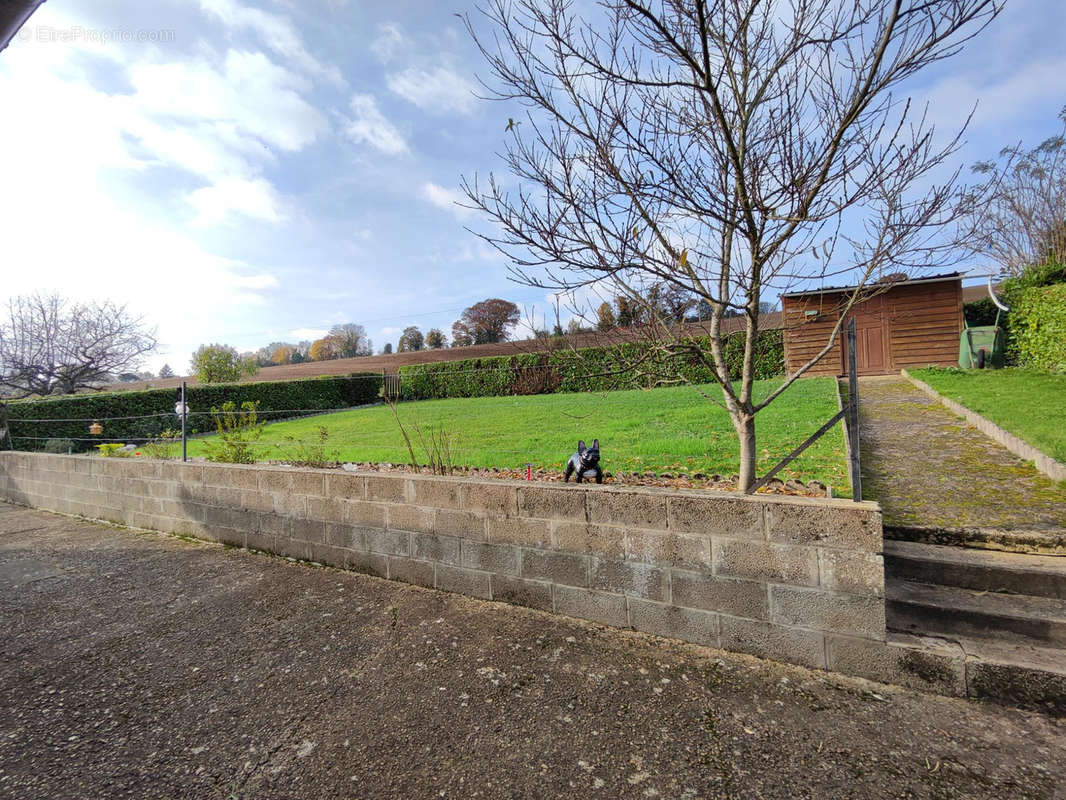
(745, 427)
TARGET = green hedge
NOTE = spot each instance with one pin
(592, 369)
(69, 416)
(1039, 327)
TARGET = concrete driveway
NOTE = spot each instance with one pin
(141, 665)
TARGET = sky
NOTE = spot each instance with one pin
(249, 172)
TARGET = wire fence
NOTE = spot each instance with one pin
(435, 448)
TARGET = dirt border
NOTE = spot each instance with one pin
(1042, 461)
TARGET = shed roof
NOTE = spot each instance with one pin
(13, 15)
(946, 276)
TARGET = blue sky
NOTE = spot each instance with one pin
(249, 172)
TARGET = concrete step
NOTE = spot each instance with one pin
(929, 610)
(1019, 675)
(981, 570)
(1038, 541)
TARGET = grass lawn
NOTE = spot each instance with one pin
(660, 430)
(1031, 405)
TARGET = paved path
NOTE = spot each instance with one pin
(140, 665)
(929, 468)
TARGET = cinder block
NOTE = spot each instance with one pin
(597, 540)
(230, 518)
(766, 640)
(309, 483)
(739, 598)
(393, 543)
(825, 523)
(434, 493)
(364, 514)
(162, 489)
(847, 571)
(464, 581)
(722, 516)
(918, 664)
(513, 530)
(571, 569)
(762, 561)
(253, 500)
(500, 558)
(230, 476)
(327, 554)
(602, 607)
(346, 486)
(261, 541)
(294, 548)
(519, 592)
(273, 525)
(631, 509)
(826, 611)
(544, 502)
(629, 578)
(329, 509)
(687, 624)
(367, 563)
(221, 496)
(673, 549)
(419, 573)
(309, 530)
(339, 534)
(431, 547)
(290, 505)
(386, 488)
(501, 500)
(461, 523)
(412, 518)
(275, 480)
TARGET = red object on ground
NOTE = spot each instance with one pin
(529, 472)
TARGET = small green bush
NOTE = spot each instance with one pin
(1039, 326)
(238, 430)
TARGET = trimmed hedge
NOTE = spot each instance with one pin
(591, 369)
(1039, 327)
(69, 416)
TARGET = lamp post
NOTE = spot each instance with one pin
(181, 408)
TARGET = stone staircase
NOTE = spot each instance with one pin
(1006, 611)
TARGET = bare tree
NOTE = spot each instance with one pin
(486, 322)
(1018, 216)
(728, 148)
(351, 340)
(49, 345)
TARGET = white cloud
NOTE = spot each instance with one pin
(249, 95)
(447, 199)
(369, 126)
(276, 32)
(253, 198)
(439, 90)
(389, 42)
(303, 334)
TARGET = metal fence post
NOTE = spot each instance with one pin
(853, 413)
(184, 415)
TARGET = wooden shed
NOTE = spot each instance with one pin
(909, 323)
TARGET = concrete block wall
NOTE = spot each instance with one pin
(793, 579)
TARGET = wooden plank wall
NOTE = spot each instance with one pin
(923, 322)
(806, 336)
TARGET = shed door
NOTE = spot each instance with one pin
(871, 337)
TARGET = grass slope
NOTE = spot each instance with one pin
(660, 430)
(1031, 405)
